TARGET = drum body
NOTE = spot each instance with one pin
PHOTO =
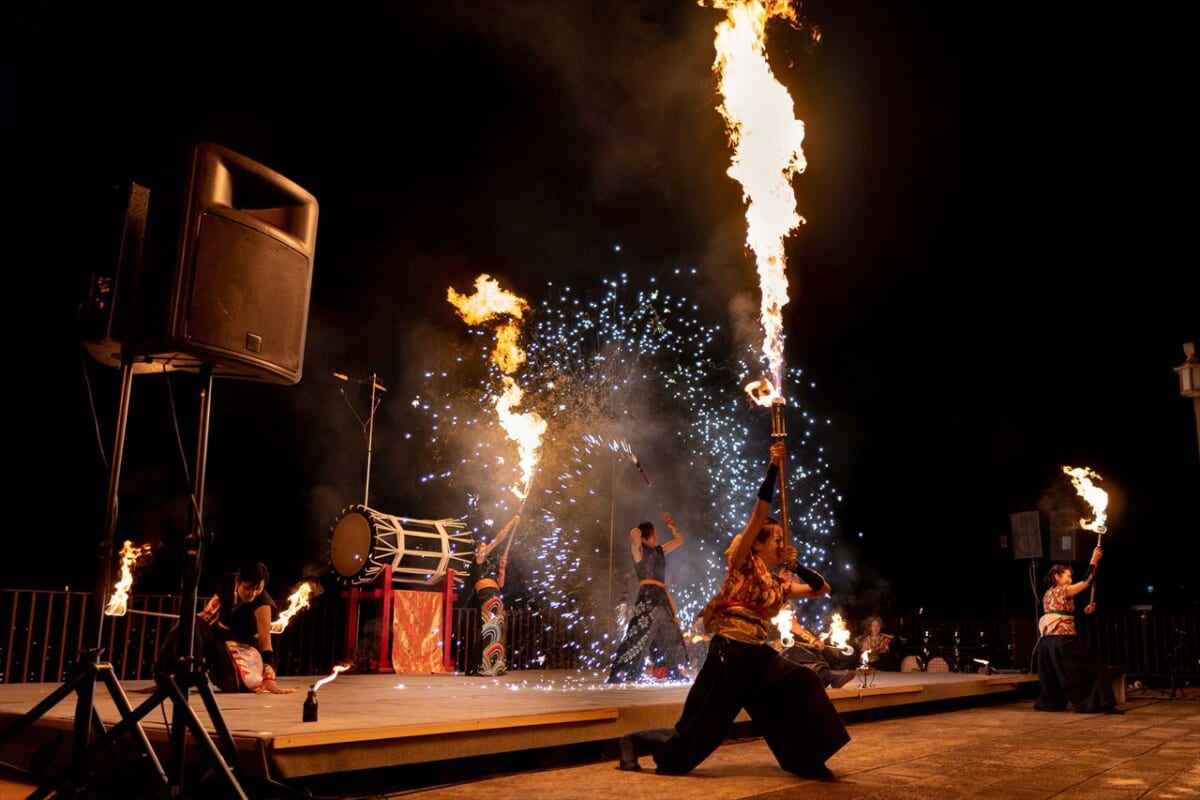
(939, 664)
(912, 663)
(420, 551)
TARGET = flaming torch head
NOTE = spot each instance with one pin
(1082, 478)
(297, 601)
(763, 393)
(118, 602)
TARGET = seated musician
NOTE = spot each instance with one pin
(879, 644)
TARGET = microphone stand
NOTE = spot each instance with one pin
(371, 435)
(376, 400)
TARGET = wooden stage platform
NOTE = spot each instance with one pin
(384, 721)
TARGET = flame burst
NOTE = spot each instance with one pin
(298, 600)
(766, 139)
(1097, 498)
(118, 603)
(527, 428)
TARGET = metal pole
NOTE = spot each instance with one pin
(370, 438)
(612, 510)
(104, 576)
(779, 431)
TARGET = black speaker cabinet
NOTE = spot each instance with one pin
(243, 276)
(1072, 545)
(1026, 534)
(114, 281)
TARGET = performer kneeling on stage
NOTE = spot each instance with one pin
(233, 634)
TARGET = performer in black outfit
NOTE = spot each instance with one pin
(654, 629)
(807, 650)
(233, 633)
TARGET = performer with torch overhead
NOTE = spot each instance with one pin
(743, 671)
(1067, 671)
(654, 628)
(487, 577)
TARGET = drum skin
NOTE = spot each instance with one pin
(350, 545)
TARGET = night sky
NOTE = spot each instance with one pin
(990, 284)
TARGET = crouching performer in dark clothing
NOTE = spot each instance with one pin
(787, 701)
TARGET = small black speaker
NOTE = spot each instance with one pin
(1072, 545)
(114, 284)
(241, 285)
(1027, 534)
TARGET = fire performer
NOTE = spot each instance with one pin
(1067, 671)
(808, 650)
(805, 647)
(788, 702)
(654, 628)
(233, 633)
(488, 576)
(879, 646)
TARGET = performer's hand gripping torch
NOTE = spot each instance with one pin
(779, 431)
(1100, 531)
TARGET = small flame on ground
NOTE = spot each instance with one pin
(118, 603)
(297, 601)
(339, 669)
(1095, 497)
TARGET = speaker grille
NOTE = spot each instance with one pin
(1027, 535)
(249, 301)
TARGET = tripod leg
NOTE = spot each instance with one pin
(75, 773)
(184, 712)
(51, 700)
(123, 705)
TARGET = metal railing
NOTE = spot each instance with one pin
(46, 632)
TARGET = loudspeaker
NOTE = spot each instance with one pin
(1071, 544)
(114, 284)
(242, 278)
(1027, 534)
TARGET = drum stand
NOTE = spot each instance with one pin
(186, 673)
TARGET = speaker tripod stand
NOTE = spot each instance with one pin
(174, 683)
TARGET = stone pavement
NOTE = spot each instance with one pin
(1001, 751)
(1005, 751)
